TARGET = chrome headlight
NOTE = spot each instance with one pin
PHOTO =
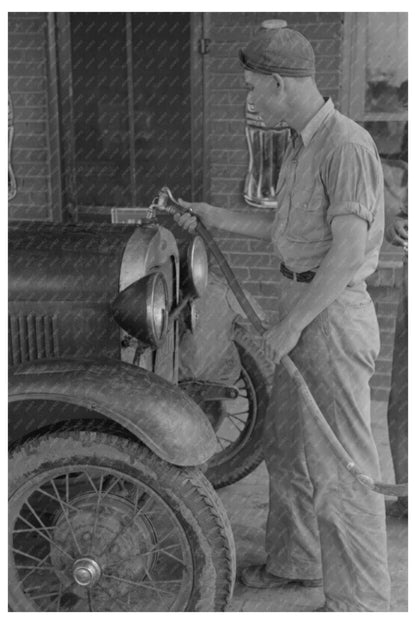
(142, 309)
(197, 266)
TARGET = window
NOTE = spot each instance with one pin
(375, 78)
(375, 91)
(131, 107)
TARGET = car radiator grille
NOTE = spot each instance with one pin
(32, 337)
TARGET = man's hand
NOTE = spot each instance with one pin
(280, 339)
(188, 221)
(398, 234)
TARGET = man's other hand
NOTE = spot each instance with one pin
(398, 234)
(280, 339)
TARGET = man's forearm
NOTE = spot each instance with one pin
(254, 224)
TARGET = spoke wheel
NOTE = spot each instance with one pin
(239, 422)
(98, 523)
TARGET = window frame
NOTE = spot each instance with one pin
(61, 37)
(353, 84)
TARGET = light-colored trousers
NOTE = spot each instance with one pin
(321, 521)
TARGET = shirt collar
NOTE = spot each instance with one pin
(317, 120)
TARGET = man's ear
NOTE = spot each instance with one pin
(279, 81)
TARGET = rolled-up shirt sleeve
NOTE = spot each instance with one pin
(352, 175)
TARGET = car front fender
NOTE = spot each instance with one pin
(156, 412)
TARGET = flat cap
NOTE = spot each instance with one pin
(278, 49)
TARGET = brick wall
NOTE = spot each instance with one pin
(228, 158)
(28, 89)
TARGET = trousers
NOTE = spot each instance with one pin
(321, 521)
(397, 413)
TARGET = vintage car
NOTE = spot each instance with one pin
(108, 507)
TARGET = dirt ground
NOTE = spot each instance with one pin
(246, 503)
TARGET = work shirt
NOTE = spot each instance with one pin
(330, 168)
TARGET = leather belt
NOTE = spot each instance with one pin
(306, 276)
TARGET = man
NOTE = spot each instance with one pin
(322, 526)
(397, 413)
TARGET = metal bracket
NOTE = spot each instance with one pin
(208, 391)
(204, 45)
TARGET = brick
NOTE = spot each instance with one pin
(27, 25)
(218, 99)
(237, 33)
(226, 186)
(386, 308)
(26, 114)
(228, 171)
(327, 47)
(386, 351)
(227, 81)
(238, 156)
(219, 157)
(263, 274)
(26, 68)
(386, 322)
(328, 63)
(223, 51)
(260, 246)
(235, 201)
(228, 65)
(230, 141)
(34, 84)
(383, 366)
(379, 394)
(24, 54)
(380, 380)
(253, 287)
(240, 245)
(29, 212)
(238, 98)
(226, 112)
(26, 40)
(219, 199)
(241, 274)
(330, 80)
(29, 156)
(32, 198)
(27, 99)
(250, 260)
(34, 170)
(219, 127)
(387, 338)
(29, 183)
(315, 31)
(29, 140)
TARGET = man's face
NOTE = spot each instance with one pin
(265, 96)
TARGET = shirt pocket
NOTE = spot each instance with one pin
(307, 215)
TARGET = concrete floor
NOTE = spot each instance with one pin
(246, 503)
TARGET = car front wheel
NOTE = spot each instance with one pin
(99, 523)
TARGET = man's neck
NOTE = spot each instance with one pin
(303, 111)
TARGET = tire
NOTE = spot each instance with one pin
(244, 453)
(100, 523)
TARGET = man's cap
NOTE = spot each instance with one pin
(278, 49)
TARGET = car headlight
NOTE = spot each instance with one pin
(142, 309)
(196, 266)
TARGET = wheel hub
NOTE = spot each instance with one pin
(104, 541)
(86, 572)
